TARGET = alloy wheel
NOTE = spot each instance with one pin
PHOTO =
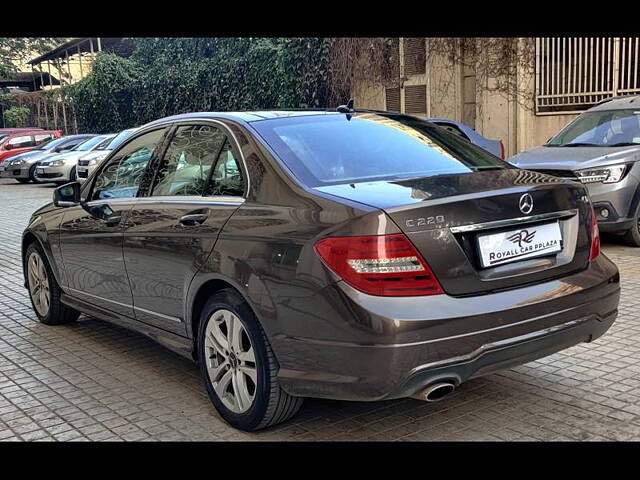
(230, 361)
(38, 284)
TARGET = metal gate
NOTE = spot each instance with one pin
(573, 74)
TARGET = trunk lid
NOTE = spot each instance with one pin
(444, 215)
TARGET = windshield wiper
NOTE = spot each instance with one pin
(624, 144)
(580, 144)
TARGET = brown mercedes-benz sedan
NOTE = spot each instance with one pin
(349, 254)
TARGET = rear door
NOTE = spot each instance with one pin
(199, 182)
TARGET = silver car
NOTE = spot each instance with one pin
(601, 149)
(464, 131)
(61, 168)
(22, 166)
(88, 162)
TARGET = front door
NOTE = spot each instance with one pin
(170, 232)
(91, 235)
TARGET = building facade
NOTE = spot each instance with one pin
(565, 77)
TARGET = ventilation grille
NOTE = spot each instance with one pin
(415, 56)
(415, 99)
(393, 99)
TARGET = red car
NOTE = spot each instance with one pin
(20, 129)
(12, 143)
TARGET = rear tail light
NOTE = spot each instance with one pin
(385, 265)
(595, 236)
(502, 155)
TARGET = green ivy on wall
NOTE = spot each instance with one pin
(167, 76)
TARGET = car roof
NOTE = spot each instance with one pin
(254, 115)
(617, 103)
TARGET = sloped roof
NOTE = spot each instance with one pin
(72, 47)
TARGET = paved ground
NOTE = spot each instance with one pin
(96, 381)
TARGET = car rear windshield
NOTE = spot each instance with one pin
(604, 128)
(337, 148)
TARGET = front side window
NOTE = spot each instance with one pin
(122, 175)
(186, 166)
(326, 149)
(607, 128)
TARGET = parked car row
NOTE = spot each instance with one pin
(16, 140)
(57, 159)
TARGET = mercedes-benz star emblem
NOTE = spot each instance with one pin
(526, 204)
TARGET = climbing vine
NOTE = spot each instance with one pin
(167, 76)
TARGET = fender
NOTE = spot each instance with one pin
(40, 230)
(635, 203)
(198, 281)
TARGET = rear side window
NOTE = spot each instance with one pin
(227, 175)
(40, 139)
(336, 148)
(22, 142)
(186, 165)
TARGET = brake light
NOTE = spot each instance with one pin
(595, 236)
(385, 265)
(502, 155)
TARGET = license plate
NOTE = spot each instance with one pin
(518, 244)
(40, 170)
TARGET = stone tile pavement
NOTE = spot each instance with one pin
(96, 381)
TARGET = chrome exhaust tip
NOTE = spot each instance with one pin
(435, 392)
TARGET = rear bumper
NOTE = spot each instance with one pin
(508, 353)
(396, 346)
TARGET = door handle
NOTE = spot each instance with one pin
(193, 219)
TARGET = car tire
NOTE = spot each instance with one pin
(231, 394)
(32, 174)
(40, 273)
(632, 236)
(23, 180)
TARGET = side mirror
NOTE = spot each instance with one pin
(67, 195)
